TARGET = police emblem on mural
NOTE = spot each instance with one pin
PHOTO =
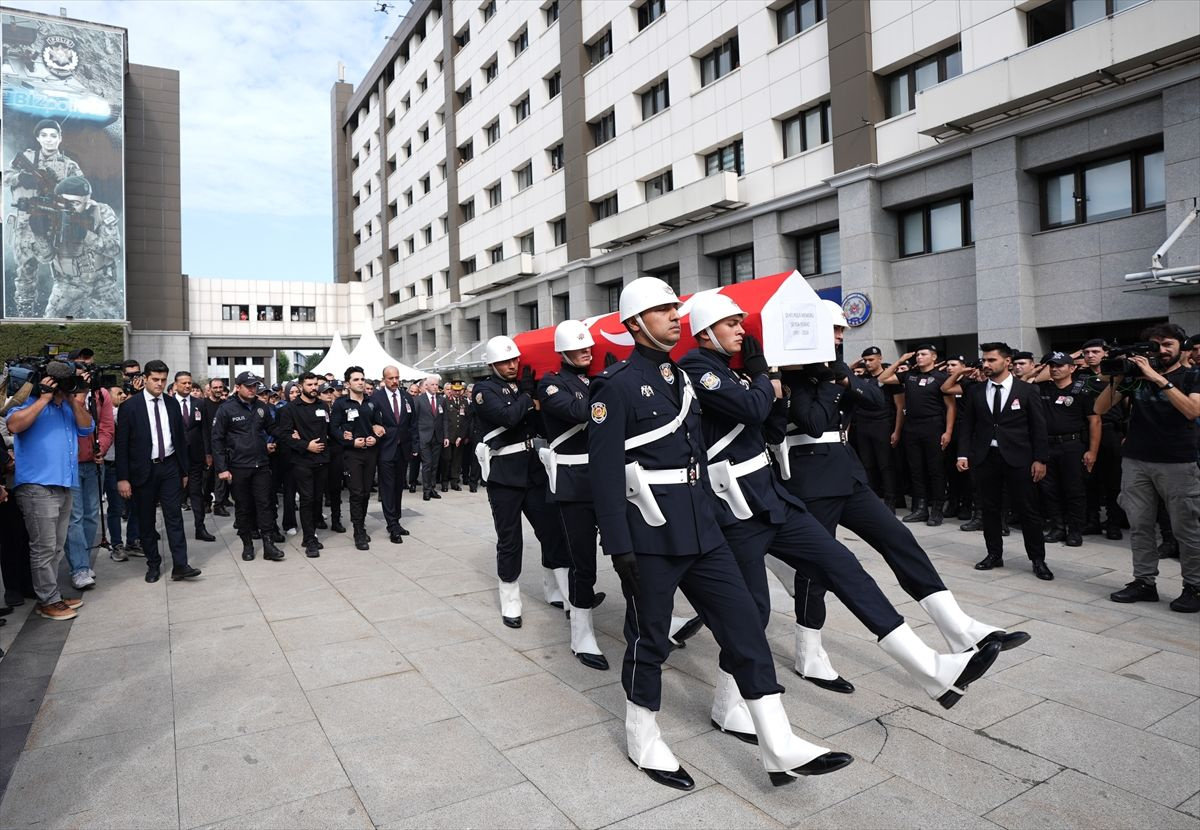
(599, 412)
(60, 56)
(710, 381)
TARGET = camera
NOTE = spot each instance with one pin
(1118, 362)
(31, 369)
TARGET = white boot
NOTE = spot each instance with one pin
(961, 632)
(936, 673)
(562, 579)
(510, 603)
(784, 572)
(648, 751)
(784, 754)
(550, 587)
(729, 712)
(583, 640)
(813, 664)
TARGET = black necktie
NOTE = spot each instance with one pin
(187, 412)
(162, 447)
(996, 401)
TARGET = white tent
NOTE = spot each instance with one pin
(372, 358)
(335, 360)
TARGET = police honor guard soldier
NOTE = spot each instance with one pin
(240, 431)
(1074, 435)
(563, 396)
(303, 432)
(358, 425)
(818, 466)
(505, 427)
(656, 513)
(758, 515)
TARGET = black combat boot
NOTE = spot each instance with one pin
(920, 512)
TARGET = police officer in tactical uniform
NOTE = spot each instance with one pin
(240, 431)
(1104, 480)
(358, 425)
(328, 393)
(505, 426)
(877, 431)
(656, 513)
(1074, 434)
(303, 432)
(563, 396)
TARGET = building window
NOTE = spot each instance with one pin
(304, 314)
(466, 152)
(604, 128)
(441, 166)
(521, 42)
(655, 99)
(562, 307)
(650, 11)
(729, 157)
(937, 226)
(464, 36)
(1104, 189)
(492, 132)
(551, 12)
(819, 253)
(806, 130)
(426, 183)
(496, 254)
(604, 208)
(521, 109)
(797, 16)
(467, 209)
(423, 82)
(270, 313)
(556, 157)
(408, 197)
(554, 85)
(660, 185)
(393, 210)
(488, 10)
(445, 222)
(427, 234)
(406, 102)
(494, 195)
(600, 48)
(524, 176)
(423, 133)
(464, 95)
(670, 276)
(1061, 16)
(903, 86)
(559, 229)
(737, 266)
(393, 255)
(531, 316)
(407, 150)
(491, 70)
(612, 292)
(235, 312)
(525, 243)
(410, 245)
(468, 265)
(719, 61)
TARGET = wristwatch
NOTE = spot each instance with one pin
(1168, 387)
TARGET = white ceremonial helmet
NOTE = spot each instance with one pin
(709, 309)
(645, 293)
(570, 335)
(499, 349)
(837, 316)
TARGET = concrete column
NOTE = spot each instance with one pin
(694, 267)
(1181, 159)
(868, 239)
(587, 298)
(772, 252)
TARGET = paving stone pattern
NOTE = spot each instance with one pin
(380, 689)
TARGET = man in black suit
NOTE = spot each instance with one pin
(396, 447)
(1005, 445)
(431, 435)
(194, 411)
(152, 468)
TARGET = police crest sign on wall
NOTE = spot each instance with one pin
(63, 140)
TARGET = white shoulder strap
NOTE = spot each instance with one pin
(724, 441)
(666, 429)
(567, 436)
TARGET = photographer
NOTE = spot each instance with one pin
(46, 430)
(85, 495)
(135, 381)
(1159, 462)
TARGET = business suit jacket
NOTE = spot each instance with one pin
(431, 428)
(134, 442)
(1020, 432)
(194, 428)
(399, 438)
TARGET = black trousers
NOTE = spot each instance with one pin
(334, 475)
(360, 470)
(391, 488)
(14, 552)
(196, 486)
(922, 447)
(805, 545)
(863, 514)
(430, 453)
(959, 487)
(282, 481)
(251, 488)
(579, 531)
(451, 464)
(164, 488)
(993, 477)
(508, 505)
(414, 470)
(1104, 481)
(874, 442)
(471, 471)
(1062, 490)
(714, 586)
(310, 484)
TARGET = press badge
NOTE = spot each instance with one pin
(352, 415)
(320, 413)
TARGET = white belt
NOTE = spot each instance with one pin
(679, 476)
(833, 437)
(571, 460)
(748, 466)
(510, 449)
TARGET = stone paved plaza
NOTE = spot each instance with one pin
(380, 689)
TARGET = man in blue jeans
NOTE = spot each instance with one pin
(85, 495)
(46, 430)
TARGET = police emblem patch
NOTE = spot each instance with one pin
(260, 412)
(710, 381)
(599, 412)
(667, 374)
(586, 380)
(479, 397)
(647, 391)
(551, 389)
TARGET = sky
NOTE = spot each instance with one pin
(255, 80)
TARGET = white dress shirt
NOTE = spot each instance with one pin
(169, 448)
(187, 407)
(1005, 390)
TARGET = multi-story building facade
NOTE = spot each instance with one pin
(977, 169)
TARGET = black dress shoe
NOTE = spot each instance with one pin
(435, 494)
(402, 531)
(821, 765)
(1113, 532)
(203, 535)
(1056, 534)
(598, 598)
(976, 668)
(319, 524)
(426, 496)
(512, 622)
(1188, 602)
(1136, 591)
(744, 737)
(188, 572)
(1041, 570)
(247, 554)
(593, 661)
(685, 632)
(445, 488)
(337, 527)
(152, 575)
(1074, 539)
(1007, 639)
(455, 487)
(312, 551)
(396, 538)
(839, 684)
(412, 488)
(220, 510)
(474, 488)
(989, 562)
(678, 779)
(277, 537)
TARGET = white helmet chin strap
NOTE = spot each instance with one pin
(653, 339)
(715, 342)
